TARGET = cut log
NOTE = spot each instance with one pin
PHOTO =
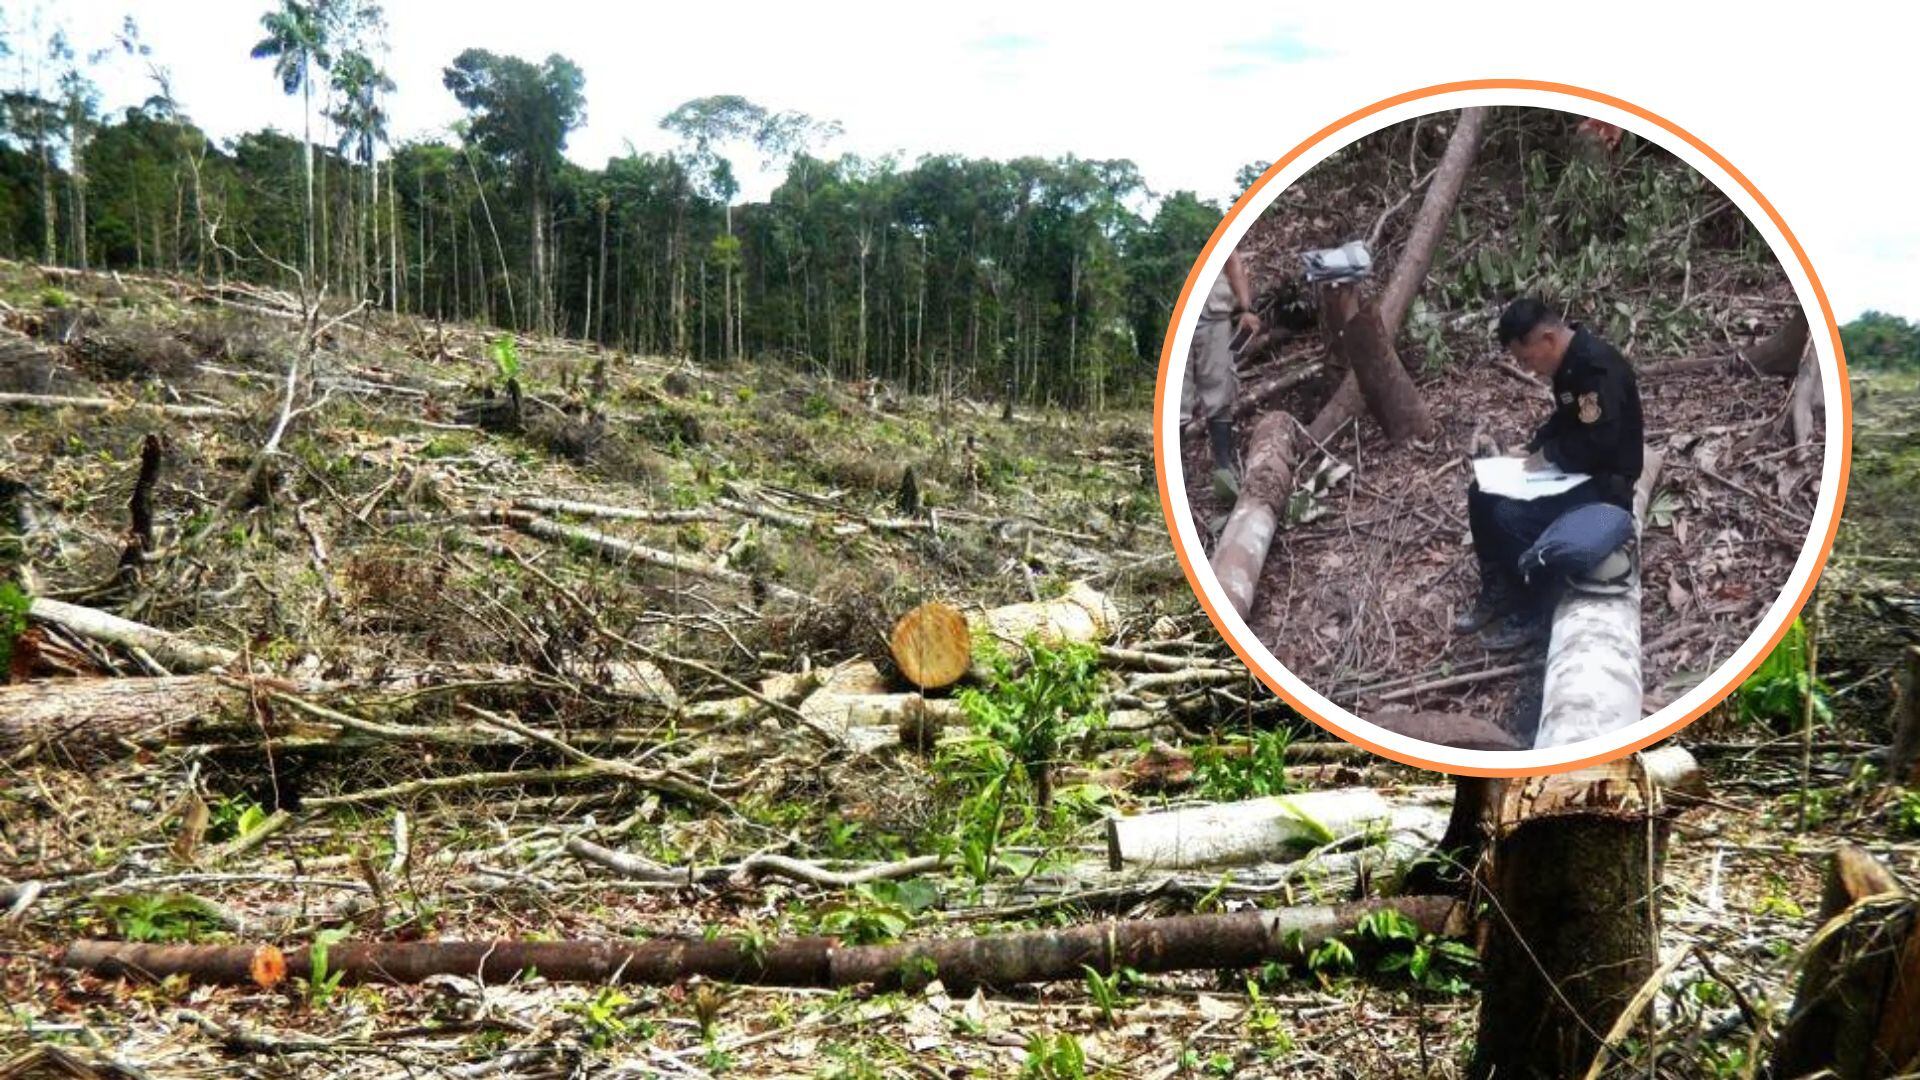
(1449, 729)
(100, 404)
(1081, 615)
(171, 650)
(1573, 930)
(1593, 678)
(1856, 1012)
(1389, 391)
(78, 714)
(1180, 943)
(932, 646)
(1780, 352)
(1264, 492)
(1436, 209)
(1410, 272)
(1256, 830)
(855, 709)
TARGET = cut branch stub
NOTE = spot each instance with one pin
(932, 646)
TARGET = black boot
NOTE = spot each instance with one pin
(1529, 625)
(1226, 477)
(1497, 589)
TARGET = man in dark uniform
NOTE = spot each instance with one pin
(1595, 429)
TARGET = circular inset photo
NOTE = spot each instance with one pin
(1502, 427)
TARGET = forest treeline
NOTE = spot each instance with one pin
(1054, 277)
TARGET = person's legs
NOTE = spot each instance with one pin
(1518, 523)
(1494, 552)
(1216, 386)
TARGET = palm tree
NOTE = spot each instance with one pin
(363, 126)
(296, 42)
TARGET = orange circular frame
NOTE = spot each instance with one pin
(1180, 311)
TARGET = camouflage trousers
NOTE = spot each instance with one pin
(1211, 386)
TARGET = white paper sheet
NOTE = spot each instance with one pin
(1508, 476)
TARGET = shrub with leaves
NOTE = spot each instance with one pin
(1776, 693)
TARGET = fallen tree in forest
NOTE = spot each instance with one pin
(1177, 943)
(1593, 676)
(1248, 535)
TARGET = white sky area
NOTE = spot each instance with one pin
(1810, 104)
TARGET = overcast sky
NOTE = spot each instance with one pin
(1811, 108)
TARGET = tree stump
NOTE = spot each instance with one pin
(1573, 930)
(932, 646)
(1856, 1012)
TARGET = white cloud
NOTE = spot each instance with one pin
(1190, 92)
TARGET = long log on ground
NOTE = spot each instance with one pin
(1573, 926)
(1264, 492)
(77, 714)
(856, 709)
(1253, 830)
(1856, 1012)
(935, 645)
(1436, 209)
(1180, 943)
(1415, 260)
(624, 552)
(100, 404)
(1593, 678)
(1080, 615)
(173, 651)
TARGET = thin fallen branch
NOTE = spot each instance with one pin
(101, 404)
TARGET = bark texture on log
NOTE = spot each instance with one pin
(1593, 678)
(1410, 272)
(1254, 830)
(1264, 492)
(75, 714)
(1573, 931)
(1389, 391)
(1415, 260)
(1856, 1012)
(1780, 352)
(1181, 943)
(171, 650)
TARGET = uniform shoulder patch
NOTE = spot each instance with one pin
(1566, 397)
(1590, 408)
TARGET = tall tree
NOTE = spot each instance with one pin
(361, 119)
(521, 114)
(297, 43)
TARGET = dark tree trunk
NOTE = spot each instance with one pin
(1395, 402)
(1573, 934)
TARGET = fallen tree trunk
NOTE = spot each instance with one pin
(856, 709)
(1264, 492)
(79, 714)
(1573, 932)
(100, 404)
(623, 552)
(1081, 615)
(171, 650)
(1255, 830)
(1593, 678)
(1856, 1012)
(934, 647)
(1384, 383)
(1415, 260)
(1180, 943)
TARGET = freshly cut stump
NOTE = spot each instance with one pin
(932, 645)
